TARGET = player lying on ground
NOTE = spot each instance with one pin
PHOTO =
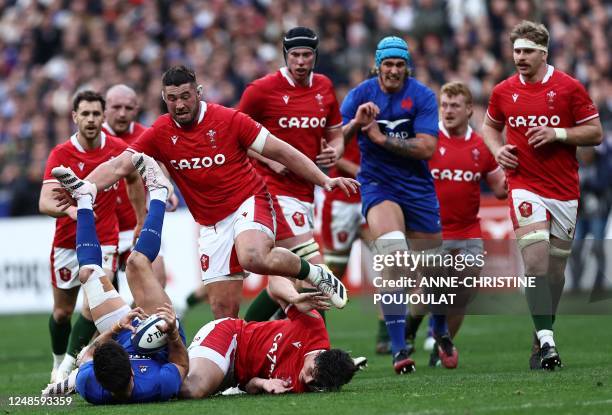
(111, 370)
(291, 355)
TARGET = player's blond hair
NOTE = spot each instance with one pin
(453, 89)
(536, 32)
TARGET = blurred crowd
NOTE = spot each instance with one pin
(51, 48)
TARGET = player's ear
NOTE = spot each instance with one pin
(199, 90)
(74, 116)
(163, 95)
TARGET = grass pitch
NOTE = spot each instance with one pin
(492, 378)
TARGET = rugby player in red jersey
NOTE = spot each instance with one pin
(204, 146)
(290, 355)
(546, 114)
(299, 107)
(83, 152)
(120, 121)
(460, 163)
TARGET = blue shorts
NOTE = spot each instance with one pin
(420, 214)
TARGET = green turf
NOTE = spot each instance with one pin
(492, 376)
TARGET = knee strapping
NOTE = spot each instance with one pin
(94, 289)
(306, 250)
(106, 322)
(559, 252)
(391, 242)
(533, 237)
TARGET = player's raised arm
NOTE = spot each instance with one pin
(177, 353)
(111, 171)
(301, 165)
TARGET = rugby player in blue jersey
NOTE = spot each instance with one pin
(395, 118)
(111, 369)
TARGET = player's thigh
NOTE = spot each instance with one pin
(385, 217)
(204, 379)
(147, 291)
(252, 246)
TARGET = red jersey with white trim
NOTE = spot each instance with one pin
(458, 166)
(296, 114)
(71, 154)
(125, 210)
(559, 101)
(276, 349)
(208, 160)
(352, 154)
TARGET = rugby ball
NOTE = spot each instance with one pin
(148, 338)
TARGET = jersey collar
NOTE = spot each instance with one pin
(75, 141)
(549, 71)
(108, 128)
(468, 133)
(287, 75)
(200, 115)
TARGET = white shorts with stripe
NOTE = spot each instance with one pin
(65, 265)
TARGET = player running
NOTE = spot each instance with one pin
(396, 120)
(546, 114)
(112, 370)
(83, 152)
(204, 146)
(299, 107)
(460, 163)
(290, 355)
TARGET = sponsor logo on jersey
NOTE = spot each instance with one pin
(515, 97)
(174, 139)
(271, 355)
(81, 165)
(525, 209)
(390, 126)
(533, 121)
(198, 162)
(456, 175)
(302, 122)
(204, 262)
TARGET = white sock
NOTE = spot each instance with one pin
(57, 359)
(159, 194)
(314, 275)
(545, 336)
(85, 202)
(67, 364)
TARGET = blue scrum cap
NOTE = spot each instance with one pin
(391, 47)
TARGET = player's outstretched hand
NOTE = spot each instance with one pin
(166, 312)
(63, 198)
(306, 302)
(276, 386)
(328, 155)
(126, 321)
(506, 157)
(540, 135)
(347, 185)
(366, 113)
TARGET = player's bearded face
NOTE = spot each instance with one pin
(300, 62)
(528, 61)
(182, 102)
(120, 112)
(454, 111)
(89, 118)
(392, 74)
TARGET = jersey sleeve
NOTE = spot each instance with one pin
(52, 162)
(494, 111)
(349, 106)
(146, 143)
(87, 387)
(426, 120)
(169, 381)
(247, 130)
(250, 102)
(581, 105)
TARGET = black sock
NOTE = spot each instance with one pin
(60, 333)
(82, 333)
(262, 308)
